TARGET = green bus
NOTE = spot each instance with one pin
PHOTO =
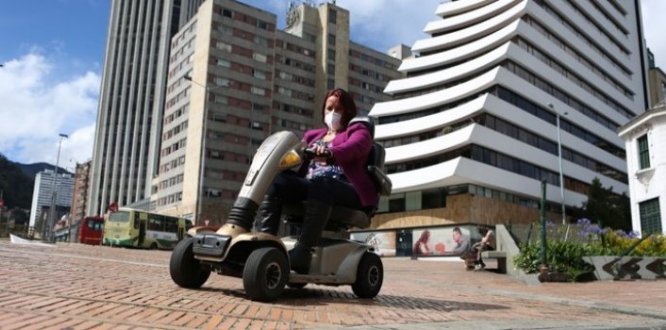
(135, 228)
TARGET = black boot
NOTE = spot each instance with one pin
(300, 257)
(315, 219)
(268, 216)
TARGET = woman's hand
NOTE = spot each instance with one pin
(322, 151)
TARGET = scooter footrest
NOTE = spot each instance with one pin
(210, 245)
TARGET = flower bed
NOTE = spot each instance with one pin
(567, 245)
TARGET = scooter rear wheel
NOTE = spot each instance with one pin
(186, 271)
(265, 274)
(369, 276)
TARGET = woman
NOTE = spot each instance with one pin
(421, 247)
(336, 176)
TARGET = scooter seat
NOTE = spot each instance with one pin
(341, 216)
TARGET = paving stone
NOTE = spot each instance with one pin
(91, 287)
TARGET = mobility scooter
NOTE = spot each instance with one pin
(262, 259)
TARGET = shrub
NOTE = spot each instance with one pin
(565, 252)
(561, 256)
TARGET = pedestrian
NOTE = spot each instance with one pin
(478, 247)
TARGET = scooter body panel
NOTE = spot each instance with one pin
(335, 261)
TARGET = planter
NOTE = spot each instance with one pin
(546, 275)
(622, 268)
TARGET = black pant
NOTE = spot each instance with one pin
(291, 188)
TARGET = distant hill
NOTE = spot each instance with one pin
(32, 169)
(16, 186)
(17, 181)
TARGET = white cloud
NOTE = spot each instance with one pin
(654, 26)
(379, 24)
(387, 23)
(37, 105)
(390, 22)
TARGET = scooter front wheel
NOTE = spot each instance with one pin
(186, 271)
(369, 276)
(265, 274)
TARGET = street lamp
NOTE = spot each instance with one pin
(559, 158)
(54, 195)
(208, 89)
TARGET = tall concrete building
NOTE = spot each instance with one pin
(131, 103)
(473, 129)
(657, 85)
(80, 194)
(234, 78)
(42, 196)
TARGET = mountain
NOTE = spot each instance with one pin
(32, 169)
(17, 181)
(15, 185)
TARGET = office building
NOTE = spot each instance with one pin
(233, 79)
(657, 85)
(42, 196)
(132, 99)
(473, 129)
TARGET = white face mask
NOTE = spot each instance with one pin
(332, 120)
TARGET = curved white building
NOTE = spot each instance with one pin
(472, 129)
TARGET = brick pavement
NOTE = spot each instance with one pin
(87, 287)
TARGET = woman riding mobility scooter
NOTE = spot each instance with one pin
(262, 259)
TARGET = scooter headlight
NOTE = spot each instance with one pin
(289, 160)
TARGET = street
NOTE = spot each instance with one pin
(73, 286)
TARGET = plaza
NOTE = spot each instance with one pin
(73, 286)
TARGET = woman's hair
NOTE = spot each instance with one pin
(347, 103)
(425, 236)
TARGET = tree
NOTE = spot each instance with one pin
(20, 216)
(16, 186)
(607, 208)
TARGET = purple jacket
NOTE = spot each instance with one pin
(350, 149)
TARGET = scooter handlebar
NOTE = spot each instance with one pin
(310, 153)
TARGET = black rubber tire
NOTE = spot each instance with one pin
(369, 276)
(296, 285)
(186, 271)
(265, 274)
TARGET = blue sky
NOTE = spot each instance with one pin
(53, 50)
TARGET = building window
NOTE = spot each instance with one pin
(650, 216)
(223, 63)
(643, 152)
(332, 16)
(258, 91)
(434, 198)
(260, 57)
(397, 205)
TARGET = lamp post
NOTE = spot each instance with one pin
(54, 195)
(559, 158)
(202, 168)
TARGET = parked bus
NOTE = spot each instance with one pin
(90, 230)
(135, 228)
